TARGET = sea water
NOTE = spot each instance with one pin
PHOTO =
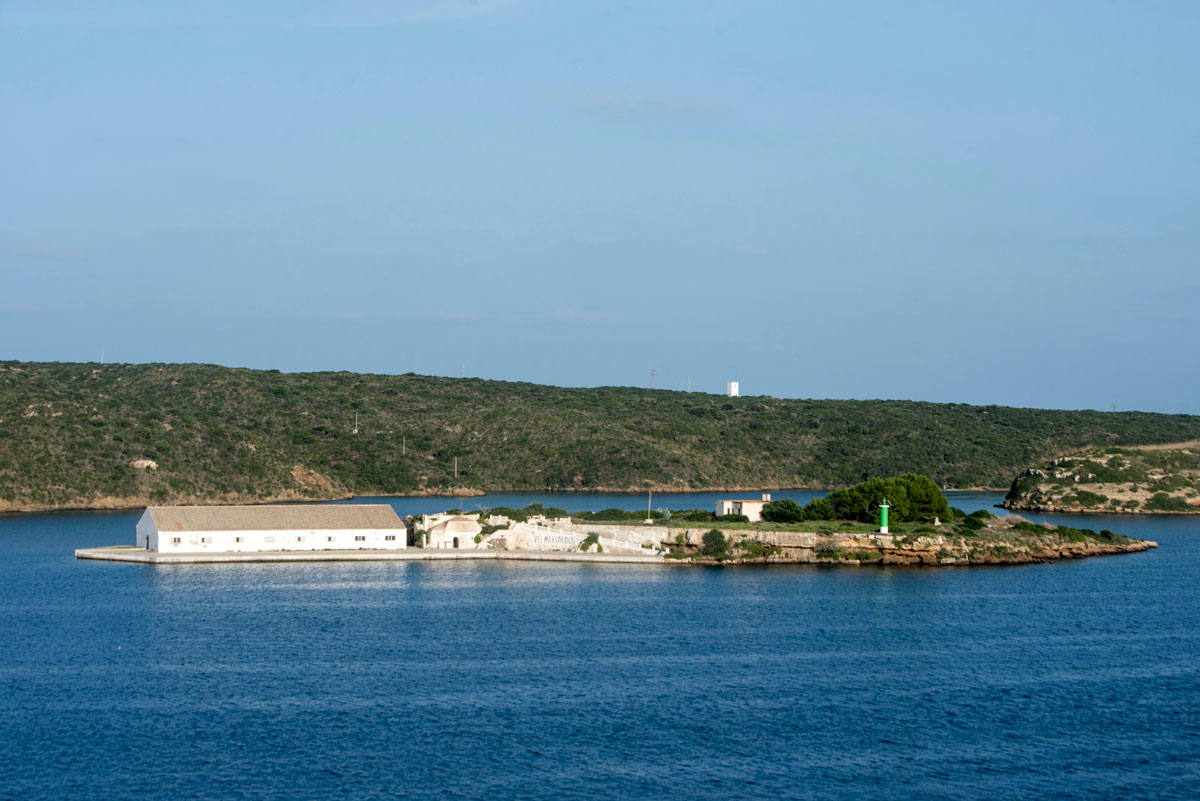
(1075, 679)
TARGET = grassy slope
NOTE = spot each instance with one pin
(68, 432)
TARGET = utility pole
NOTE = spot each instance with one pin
(649, 495)
(355, 423)
(403, 445)
(456, 467)
(652, 374)
(689, 383)
(463, 373)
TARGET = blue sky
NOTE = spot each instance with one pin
(952, 201)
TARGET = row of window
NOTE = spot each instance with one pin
(357, 538)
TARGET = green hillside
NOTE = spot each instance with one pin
(68, 433)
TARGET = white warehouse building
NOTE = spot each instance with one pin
(299, 527)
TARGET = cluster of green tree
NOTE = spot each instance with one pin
(68, 433)
(912, 497)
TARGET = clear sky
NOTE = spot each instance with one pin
(952, 201)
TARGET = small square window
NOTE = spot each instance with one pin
(237, 539)
(390, 537)
(359, 538)
(299, 539)
(206, 539)
(329, 539)
(175, 540)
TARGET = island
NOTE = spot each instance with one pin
(1148, 479)
(894, 521)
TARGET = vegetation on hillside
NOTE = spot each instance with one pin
(69, 433)
(1132, 480)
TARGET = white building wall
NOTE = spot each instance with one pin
(751, 509)
(255, 541)
(146, 532)
(445, 534)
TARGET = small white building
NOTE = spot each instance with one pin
(751, 509)
(451, 530)
(292, 527)
(731, 389)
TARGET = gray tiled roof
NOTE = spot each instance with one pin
(288, 517)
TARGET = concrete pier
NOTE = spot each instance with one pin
(130, 553)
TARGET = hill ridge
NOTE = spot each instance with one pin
(69, 433)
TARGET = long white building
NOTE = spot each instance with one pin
(299, 527)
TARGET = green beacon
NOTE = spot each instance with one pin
(883, 507)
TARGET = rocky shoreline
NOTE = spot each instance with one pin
(987, 547)
(1034, 506)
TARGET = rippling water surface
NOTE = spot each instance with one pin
(1077, 679)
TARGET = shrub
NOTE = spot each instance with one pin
(714, 543)
(1162, 502)
(818, 509)
(1088, 498)
(783, 511)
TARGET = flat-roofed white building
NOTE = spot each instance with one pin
(751, 509)
(293, 527)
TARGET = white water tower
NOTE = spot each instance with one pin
(731, 389)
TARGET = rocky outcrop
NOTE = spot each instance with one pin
(1146, 480)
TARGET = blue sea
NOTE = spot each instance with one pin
(509, 680)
